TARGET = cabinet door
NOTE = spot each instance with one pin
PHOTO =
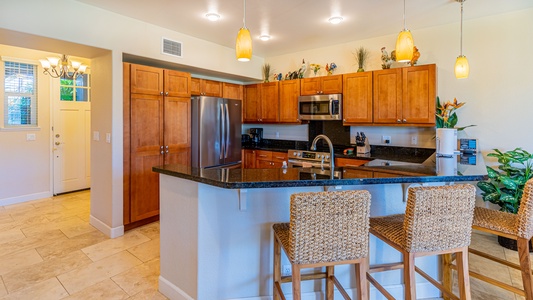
(280, 157)
(177, 84)
(195, 87)
(269, 102)
(331, 84)
(387, 96)
(146, 80)
(349, 162)
(354, 173)
(146, 113)
(310, 86)
(289, 90)
(357, 98)
(251, 107)
(248, 158)
(419, 94)
(232, 91)
(211, 88)
(177, 130)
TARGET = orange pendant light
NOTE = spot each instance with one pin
(462, 69)
(243, 45)
(404, 43)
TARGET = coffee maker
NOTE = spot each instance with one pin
(257, 135)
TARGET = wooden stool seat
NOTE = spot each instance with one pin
(326, 229)
(514, 226)
(437, 221)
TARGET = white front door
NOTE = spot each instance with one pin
(71, 138)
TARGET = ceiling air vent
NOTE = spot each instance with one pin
(171, 47)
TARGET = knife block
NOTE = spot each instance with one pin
(364, 149)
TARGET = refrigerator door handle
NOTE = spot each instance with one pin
(227, 131)
(223, 129)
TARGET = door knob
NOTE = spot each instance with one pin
(57, 143)
(57, 135)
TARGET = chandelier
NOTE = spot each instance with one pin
(62, 67)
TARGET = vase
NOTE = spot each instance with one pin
(360, 70)
(446, 141)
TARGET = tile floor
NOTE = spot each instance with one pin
(48, 250)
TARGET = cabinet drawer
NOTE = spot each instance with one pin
(263, 155)
(349, 162)
(279, 157)
(355, 173)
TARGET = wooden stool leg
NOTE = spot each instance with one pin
(525, 266)
(409, 275)
(463, 276)
(447, 277)
(330, 272)
(362, 282)
(277, 269)
(296, 282)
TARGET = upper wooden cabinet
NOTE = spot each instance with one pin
(321, 85)
(289, 90)
(232, 91)
(261, 103)
(405, 96)
(357, 98)
(205, 87)
(147, 80)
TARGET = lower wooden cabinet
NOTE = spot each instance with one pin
(248, 159)
(355, 173)
(349, 162)
(262, 159)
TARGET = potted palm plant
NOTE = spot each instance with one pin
(505, 185)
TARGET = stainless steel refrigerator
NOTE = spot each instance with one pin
(215, 132)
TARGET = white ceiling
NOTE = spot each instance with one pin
(297, 25)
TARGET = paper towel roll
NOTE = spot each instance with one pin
(446, 141)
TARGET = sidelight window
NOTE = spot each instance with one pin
(20, 94)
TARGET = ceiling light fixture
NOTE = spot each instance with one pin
(212, 17)
(462, 69)
(62, 67)
(404, 43)
(264, 37)
(335, 20)
(243, 45)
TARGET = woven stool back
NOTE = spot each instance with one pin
(329, 226)
(524, 221)
(439, 218)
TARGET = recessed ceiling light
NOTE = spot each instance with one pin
(335, 20)
(212, 16)
(265, 37)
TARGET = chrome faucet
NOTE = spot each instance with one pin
(331, 157)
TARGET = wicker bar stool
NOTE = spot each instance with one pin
(518, 227)
(325, 229)
(437, 220)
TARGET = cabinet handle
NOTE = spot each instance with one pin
(161, 93)
(166, 94)
(162, 152)
(278, 157)
(404, 120)
(344, 120)
(262, 155)
(398, 121)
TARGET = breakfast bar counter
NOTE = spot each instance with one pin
(216, 235)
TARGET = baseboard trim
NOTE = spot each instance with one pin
(111, 232)
(423, 290)
(25, 198)
(171, 291)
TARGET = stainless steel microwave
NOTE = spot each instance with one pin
(320, 107)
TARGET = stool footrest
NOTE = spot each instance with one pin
(436, 284)
(385, 267)
(494, 258)
(497, 283)
(285, 279)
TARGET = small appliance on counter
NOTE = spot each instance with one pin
(468, 146)
(256, 135)
(361, 141)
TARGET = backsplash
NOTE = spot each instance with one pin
(280, 132)
(416, 137)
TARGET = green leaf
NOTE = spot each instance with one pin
(492, 197)
(508, 199)
(493, 174)
(508, 182)
(486, 187)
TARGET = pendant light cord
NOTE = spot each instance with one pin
(244, 18)
(462, 28)
(404, 26)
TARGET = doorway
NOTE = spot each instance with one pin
(71, 128)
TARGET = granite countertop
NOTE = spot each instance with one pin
(433, 169)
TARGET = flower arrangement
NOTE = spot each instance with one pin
(361, 56)
(446, 116)
(266, 72)
(330, 68)
(315, 67)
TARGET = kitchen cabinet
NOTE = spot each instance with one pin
(270, 159)
(205, 87)
(405, 96)
(349, 162)
(357, 98)
(321, 85)
(356, 173)
(289, 90)
(157, 114)
(261, 103)
(232, 91)
(248, 159)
